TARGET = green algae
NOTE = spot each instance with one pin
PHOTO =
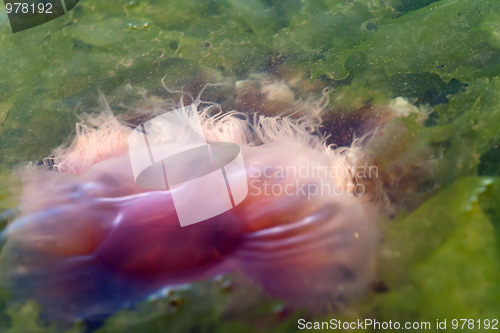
(440, 261)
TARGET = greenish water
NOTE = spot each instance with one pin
(440, 261)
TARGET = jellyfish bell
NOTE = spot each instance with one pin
(86, 253)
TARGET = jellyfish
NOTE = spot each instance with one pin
(89, 239)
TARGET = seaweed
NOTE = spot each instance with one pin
(439, 261)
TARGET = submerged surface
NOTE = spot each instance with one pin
(441, 260)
